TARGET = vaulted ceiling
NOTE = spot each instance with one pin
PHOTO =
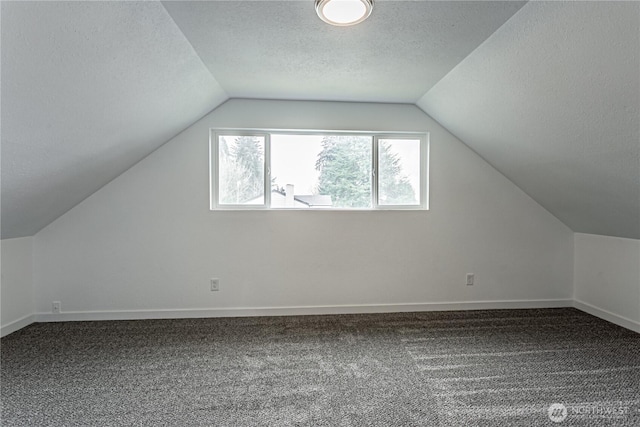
(552, 100)
(548, 93)
(281, 50)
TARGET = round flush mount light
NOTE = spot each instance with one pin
(343, 12)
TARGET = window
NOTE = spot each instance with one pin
(241, 170)
(262, 169)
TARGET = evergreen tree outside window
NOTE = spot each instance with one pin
(398, 175)
(345, 170)
(241, 170)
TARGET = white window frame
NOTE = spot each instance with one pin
(214, 134)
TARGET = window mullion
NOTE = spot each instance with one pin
(374, 173)
(267, 170)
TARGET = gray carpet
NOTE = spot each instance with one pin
(484, 368)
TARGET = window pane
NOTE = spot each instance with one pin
(321, 171)
(241, 170)
(294, 177)
(399, 171)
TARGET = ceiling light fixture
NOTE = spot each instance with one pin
(344, 12)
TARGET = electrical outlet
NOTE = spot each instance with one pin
(470, 278)
(215, 285)
(56, 306)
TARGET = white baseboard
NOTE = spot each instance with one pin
(17, 325)
(297, 311)
(310, 310)
(607, 315)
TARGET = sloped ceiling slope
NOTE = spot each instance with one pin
(552, 100)
(88, 89)
(282, 50)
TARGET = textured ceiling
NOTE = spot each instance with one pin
(552, 100)
(282, 50)
(88, 89)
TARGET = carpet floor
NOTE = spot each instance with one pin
(463, 368)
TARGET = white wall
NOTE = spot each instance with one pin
(607, 278)
(147, 240)
(16, 284)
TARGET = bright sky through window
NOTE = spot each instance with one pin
(293, 161)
